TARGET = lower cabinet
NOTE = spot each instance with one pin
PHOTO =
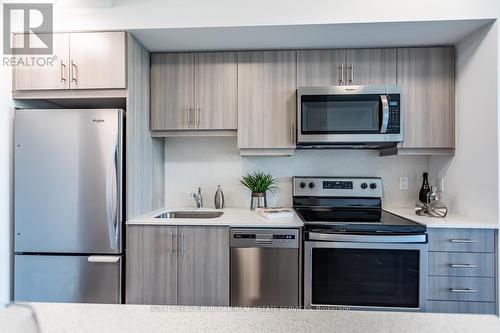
(462, 271)
(177, 265)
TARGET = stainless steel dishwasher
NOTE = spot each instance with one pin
(264, 267)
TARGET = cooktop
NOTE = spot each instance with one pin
(326, 220)
(347, 205)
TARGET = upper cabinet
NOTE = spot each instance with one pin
(94, 60)
(97, 60)
(266, 100)
(371, 66)
(194, 91)
(54, 75)
(427, 77)
(321, 67)
(346, 67)
(216, 90)
(172, 91)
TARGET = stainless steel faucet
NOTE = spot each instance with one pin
(198, 199)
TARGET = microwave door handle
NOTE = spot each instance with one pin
(385, 113)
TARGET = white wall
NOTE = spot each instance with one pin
(6, 163)
(208, 162)
(471, 176)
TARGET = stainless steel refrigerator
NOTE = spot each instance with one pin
(68, 205)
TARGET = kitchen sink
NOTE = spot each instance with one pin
(185, 214)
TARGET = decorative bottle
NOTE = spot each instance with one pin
(425, 189)
(219, 198)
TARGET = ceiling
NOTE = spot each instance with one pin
(308, 36)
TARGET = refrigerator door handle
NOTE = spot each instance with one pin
(103, 259)
(111, 194)
(116, 196)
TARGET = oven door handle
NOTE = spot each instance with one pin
(385, 113)
(422, 238)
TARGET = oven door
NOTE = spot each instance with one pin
(354, 114)
(371, 275)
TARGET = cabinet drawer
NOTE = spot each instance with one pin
(461, 307)
(449, 288)
(462, 264)
(461, 240)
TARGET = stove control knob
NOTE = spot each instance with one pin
(311, 185)
(302, 185)
(364, 185)
(373, 186)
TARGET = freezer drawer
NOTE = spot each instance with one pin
(82, 279)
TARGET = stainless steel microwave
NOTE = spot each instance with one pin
(367, 116)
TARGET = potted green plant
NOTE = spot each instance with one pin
(259, 183)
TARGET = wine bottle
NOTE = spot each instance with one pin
(424, 190)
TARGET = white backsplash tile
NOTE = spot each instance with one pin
(208, 162)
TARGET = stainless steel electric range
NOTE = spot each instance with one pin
(356, 255)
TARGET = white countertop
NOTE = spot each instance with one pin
(245, 218)
(450, 221)
(232, 217)
(75, 318)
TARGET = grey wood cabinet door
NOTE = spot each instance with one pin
(371, 66)
(321, 67)
(216, 90)
(97, 60)
(151, 265)
(427, 77)
(172, 91)
(51, 76)
(266, 99)
(203, 266)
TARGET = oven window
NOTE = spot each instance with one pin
(365, 277)
(325, 114)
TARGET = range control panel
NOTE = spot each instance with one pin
(338, 186)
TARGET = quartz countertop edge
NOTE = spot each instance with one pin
(450, 221)
(232, 217)
(57, 317)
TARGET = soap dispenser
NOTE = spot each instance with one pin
(219, 198)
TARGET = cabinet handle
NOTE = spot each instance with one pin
(198, 116)
(171, 242)
(468, 241)
(351, 68)
(62, 68)
(189, 116)
(74, 72)
(463, 290)
(341, 68)
(463, 266)
(182, 243)
(292, 133)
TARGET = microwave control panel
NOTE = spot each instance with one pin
(393, 126)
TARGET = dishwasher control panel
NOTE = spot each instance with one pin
(274, 238)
